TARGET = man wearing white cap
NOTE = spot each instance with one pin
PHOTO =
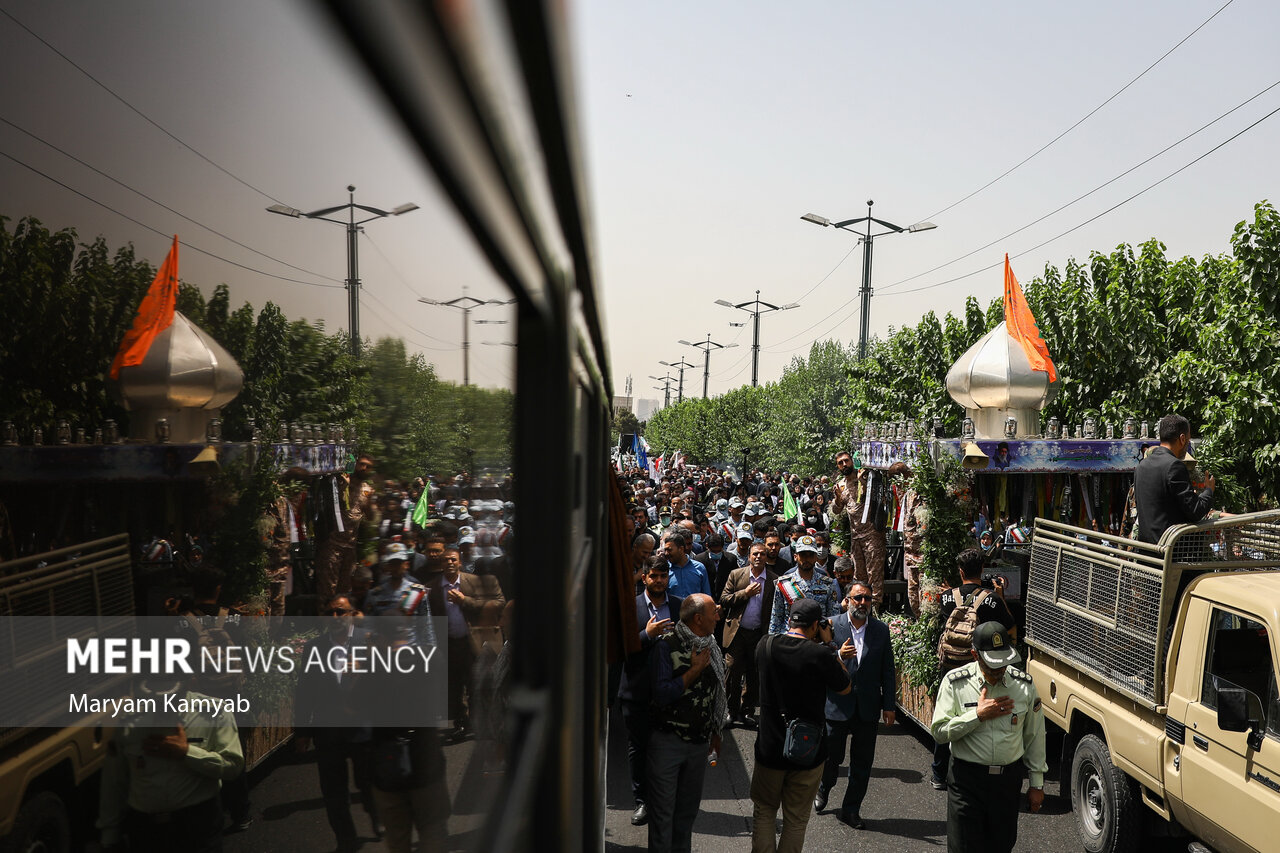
(990, 714)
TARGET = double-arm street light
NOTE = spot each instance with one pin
(464, 304)
(665, 388)
(867, 241)
(706, 347)
(680, 366)
(353, 253)
(760, 308)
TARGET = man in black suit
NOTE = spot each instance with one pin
(865, 651)
(655, 612)
(718, 563)
(1162, 486)
(322, 716)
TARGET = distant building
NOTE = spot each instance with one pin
(646, 408)
(623, 403)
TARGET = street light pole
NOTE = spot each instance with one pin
(706, 347)
(665, 388)
(465, 304)
(868, 243)
(760, 308)
(678, 365)
(353, 249)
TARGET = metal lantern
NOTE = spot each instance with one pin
(79, 435)
(295, 433)
(254, 435)
(1130, 428)
(937, 427)
(37, 436)
(162, 431)
(911, 431)
(1055, 428)
(966, 428)
(1090, 427)
(8, 434)
(97, 436)
(1146, 431)
(213, 431)
(1108, 430)
(1011, 427)
(62, 432)
(110, 434)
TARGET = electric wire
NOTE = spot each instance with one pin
(401, 324)
(161, 204)
(1078, 198)
(137, 111)
(164, 234)
(405, 282)
(1086, 116)
(1098, 216)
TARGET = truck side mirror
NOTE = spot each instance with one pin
(1233, 714)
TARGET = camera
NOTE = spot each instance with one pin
(824, 624)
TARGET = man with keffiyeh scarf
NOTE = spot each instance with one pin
(687, 710)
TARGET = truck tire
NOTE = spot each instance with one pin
(1102, 796)
(43, 826)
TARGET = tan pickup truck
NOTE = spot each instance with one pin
(48, 774)
(1158, 663)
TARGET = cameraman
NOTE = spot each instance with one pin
(796, 671)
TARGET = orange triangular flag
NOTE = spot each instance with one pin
(1021, 325)
(154, 315)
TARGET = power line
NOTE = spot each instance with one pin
(404, 282)
(822, 335)
(166, 235)
(158, 203)
(1078, 198)
(1103, 213)
(1085, 118)
(828, 275)
(403, 325)
(137, 111)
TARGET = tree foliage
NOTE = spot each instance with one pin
(67, 305)
(1132, 333)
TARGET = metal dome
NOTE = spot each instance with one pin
(994, 373)
(185, 368)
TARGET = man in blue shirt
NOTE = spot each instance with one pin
(687, 576)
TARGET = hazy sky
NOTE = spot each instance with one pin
(710, 127)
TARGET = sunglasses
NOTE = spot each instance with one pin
(337, 611)
(860, 597)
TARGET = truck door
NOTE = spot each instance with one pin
(1234, 790)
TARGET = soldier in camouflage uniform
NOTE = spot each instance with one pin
(687, 710)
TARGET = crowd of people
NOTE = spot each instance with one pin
(745, 617)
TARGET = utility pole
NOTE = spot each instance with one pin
(867, 240)
(760, 308)
(353, 234)
(465, 304)
(678, 365)
(665, 388)
(706, 347)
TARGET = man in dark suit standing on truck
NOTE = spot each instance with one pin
(1162, 485)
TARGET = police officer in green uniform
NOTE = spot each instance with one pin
(990, 714)
(163, 773)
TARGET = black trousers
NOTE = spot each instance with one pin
(197, 829)
(461, 658)
(331, 764)
(861, 737)
(982, 807)
(636, 718)
(743, 667)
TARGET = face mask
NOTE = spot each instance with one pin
(822, 553)
(697, 539)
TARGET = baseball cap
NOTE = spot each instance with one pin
(994, 646)
(805, 612)
(806, 545)
(467, 540)
(736, 503)
(746, 531)
(395, 551)
(722, 504)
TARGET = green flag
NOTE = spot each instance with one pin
(420, 509)
(789, 508)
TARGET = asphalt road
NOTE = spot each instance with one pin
(902, 811)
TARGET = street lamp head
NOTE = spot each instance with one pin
(729, 346)
(284, 210)
(430, 301)
(666, 364)
(921, 226)
(726, 303)
(789, 306)
(686, 343)
(404, 208)
(816, 219)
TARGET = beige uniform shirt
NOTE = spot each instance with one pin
(1002, 740)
